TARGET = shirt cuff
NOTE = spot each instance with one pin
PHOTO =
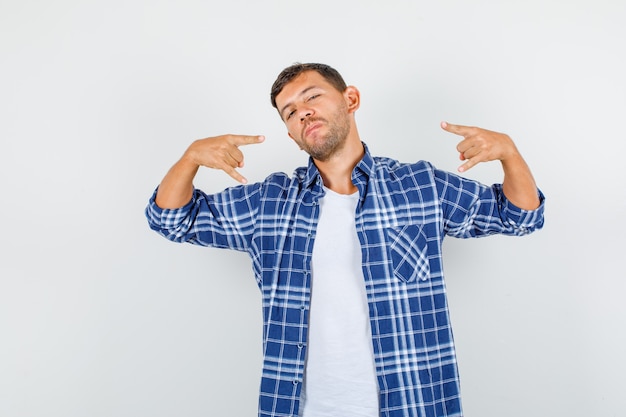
(530, 219)
(160, 218)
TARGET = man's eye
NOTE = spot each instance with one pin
(314, 96)
(290, 114)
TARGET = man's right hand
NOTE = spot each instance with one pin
(219, 152)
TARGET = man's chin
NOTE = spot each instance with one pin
(323, 153)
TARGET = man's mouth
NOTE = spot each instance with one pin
(311, 127)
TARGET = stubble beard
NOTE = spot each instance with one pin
(322, 149)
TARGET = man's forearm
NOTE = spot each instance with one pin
(519, 185)
(176, 188)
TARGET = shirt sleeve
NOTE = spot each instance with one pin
(472, 209)
(223, 220)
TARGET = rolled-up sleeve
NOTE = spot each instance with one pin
(525, 221)
(472, 209)
(224, 220)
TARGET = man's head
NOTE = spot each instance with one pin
(317, 108)
(290, 73)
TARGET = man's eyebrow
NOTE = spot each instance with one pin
(303, 92)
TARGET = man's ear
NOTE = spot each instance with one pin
(353, 98)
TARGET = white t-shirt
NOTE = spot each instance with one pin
(340, 377)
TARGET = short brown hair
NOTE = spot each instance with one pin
(330, 74)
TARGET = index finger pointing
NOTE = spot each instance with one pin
(456, 129)
(239, 140)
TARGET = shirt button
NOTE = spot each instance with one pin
(300, 345)
(295, 382)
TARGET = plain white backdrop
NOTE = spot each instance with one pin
(99, 316)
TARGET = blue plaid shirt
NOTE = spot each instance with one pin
(403, 214)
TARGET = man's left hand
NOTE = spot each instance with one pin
(480, 145)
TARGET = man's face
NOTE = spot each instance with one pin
(315, 113)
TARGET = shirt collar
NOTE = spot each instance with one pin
(364, 167)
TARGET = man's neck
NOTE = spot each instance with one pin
(337, 171)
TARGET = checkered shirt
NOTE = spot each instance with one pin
(403, 214)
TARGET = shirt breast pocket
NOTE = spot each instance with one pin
(409, 252)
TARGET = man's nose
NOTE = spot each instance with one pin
(305, 114)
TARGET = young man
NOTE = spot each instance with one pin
(347, 252)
